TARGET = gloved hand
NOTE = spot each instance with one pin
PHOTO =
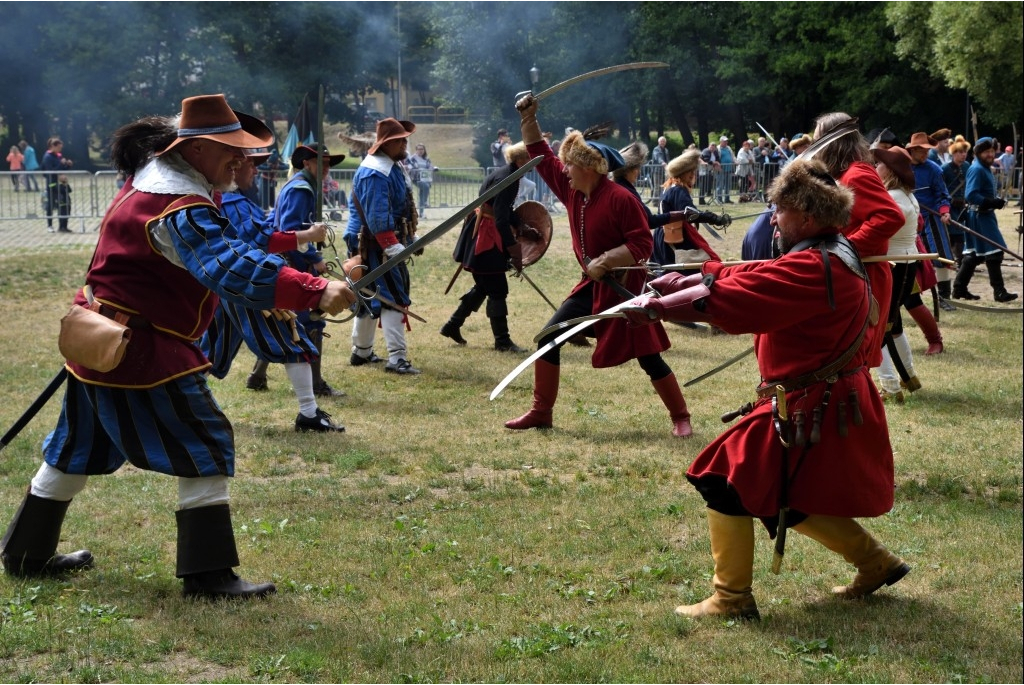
(615, 257)
(515, 256)
(528, 124)
(643, 311)
(992, 203)
(678, 216)
(391, 250)
(530, 233)
(694, 215)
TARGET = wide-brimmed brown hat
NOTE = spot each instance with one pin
(898, 161)
(209, 117)
(257, 157)
(920, 139)
(304, 152)
(391, 129)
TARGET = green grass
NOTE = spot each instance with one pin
(429, 544)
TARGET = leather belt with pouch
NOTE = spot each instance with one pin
(93, 340)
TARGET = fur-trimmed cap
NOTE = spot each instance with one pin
(597, 157)
(941, 135)
(683, 164)
(959, 144)
(634, 155)
(984, 144)
(805, 185)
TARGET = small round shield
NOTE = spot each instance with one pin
(534, 233)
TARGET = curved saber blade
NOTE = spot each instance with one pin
(448, 224)
(526, 363)
(572, 322)
(720, 367)
(591, 74)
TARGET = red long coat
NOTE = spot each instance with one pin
(784, 302)
(611, 217)
(875, 218)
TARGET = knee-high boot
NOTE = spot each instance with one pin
(994, 264)
(732, 547)
(257, 380)
(497, 314)
(929, 326)
(207, 553)
(320, 387)
(468, 303)
(545, 392)
(964, 275)
(30, 544)
(876, 565)
(672, 396)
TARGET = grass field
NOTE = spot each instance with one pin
(429, 544)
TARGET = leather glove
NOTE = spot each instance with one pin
(643, 311)
(528, 124)
(696, 216)
(674, 281)
(515, 256)
(678, 216)
(992, 203)
(530, 233)
(391, 250)
(617, 256)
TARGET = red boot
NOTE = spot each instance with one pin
(545, 392)
(671, 394)
(929, 326)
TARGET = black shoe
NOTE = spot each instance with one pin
(402, 367)
(964, 295)
(946, 305)
(1003, 296)
(224, 584)
(321, 423)
(323, 389)
(356, 360)
(64, 230)
(257, 383)
(58, 565)
(508, 347)
(450, 331)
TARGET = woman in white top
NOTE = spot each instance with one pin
(745, 166)
(894, 167)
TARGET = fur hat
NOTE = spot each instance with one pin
(805, 185)
(984, 144)
(391, 129)
(209, 117)
(800, 141)
(597, 157)
(898, 161)
(683, 164)
(941, 135)
(959, 144)
(633, 155)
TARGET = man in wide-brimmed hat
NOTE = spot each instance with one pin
(931, 193)
(294, 211)
(381, 222)
(165, 256)
(808, 311)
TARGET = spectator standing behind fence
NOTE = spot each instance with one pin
(723, 179)
(63, 203)
(16, 160)
(709, 169)
(498, 148)
(30, 164)
(1006, 163)
(745, 169)
(53, 161)
(660, 154)
(421, 171)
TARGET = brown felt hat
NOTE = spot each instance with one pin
(209, 117)
(921, 139)
(391, 129)
(941, 135)
(898, 161)
(257, 156)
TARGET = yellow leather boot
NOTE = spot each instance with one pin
(876, 565)
(732, 547)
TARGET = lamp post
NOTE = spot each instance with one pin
(534, 77)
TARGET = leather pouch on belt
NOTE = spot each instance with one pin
(92, 340)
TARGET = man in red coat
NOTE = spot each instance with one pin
(609, 229)
(810, 313)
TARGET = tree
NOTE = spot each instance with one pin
(972, 45)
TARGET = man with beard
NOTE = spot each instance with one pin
(832, 460)
(982, 200)
(164, 257)
(381, 223)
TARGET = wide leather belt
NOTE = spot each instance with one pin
(123, 318)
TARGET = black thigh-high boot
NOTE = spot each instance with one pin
(320, 387)
(497, 312)
(964, 275)
(257, 380)
(469, 303)
(994, 264)
(207, 553)
(30, 544)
